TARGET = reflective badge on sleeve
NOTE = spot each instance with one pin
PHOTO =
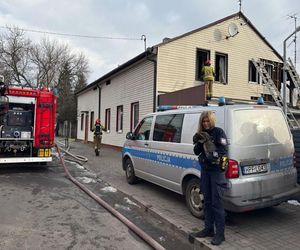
(223, 141)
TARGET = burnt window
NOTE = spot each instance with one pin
(221, 68)
(201, 57)
(253, 74)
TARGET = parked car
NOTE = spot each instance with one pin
(261, 170)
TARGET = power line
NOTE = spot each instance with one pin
(77, 35)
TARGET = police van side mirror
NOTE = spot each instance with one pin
(130, 136)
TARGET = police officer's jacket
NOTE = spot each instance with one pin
(218, 137)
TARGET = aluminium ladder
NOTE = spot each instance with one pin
(293, 74)
(267, 80)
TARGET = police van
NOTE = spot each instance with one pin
(261, 170)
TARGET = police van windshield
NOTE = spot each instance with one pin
(256, 127)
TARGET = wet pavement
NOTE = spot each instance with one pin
(272, 228)
(40, 209)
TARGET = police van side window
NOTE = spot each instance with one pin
(168, 128)
(142, 131)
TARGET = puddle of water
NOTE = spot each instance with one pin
(109, 189)
(127, 200)
(117, 206)
(294, 202)
(162, 239)
(86, 180)
(75, 164)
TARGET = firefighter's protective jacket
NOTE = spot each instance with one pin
(98, 128)
(208, 73)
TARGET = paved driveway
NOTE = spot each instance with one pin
(272, 228)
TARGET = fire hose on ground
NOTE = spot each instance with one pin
(119, 216)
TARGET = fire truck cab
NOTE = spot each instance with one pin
(27, 124)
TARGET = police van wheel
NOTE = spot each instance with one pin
(194, 197)
(129, 171)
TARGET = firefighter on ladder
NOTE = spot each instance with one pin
(208, 74)
(98, 131)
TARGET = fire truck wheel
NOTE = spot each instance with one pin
(194, 197)
(129, 171)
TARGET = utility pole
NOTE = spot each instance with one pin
(294, 16)
(285, 69)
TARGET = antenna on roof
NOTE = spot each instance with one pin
(294, 16)
(240, 4)
(143, 37)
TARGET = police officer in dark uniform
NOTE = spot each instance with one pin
(211, 146)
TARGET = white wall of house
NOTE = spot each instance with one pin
(176, 69)
(87, 103)
(136, 84)
(177, 59)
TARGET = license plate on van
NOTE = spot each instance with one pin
(255, 169)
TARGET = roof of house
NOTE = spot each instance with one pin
(105, 77)
(144, 54)
(238, 14)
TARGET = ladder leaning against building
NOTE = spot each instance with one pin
(293, 74)
(267, 80)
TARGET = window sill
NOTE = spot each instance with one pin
(221, 83)
(257, 83)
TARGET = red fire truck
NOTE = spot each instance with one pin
(27, 124)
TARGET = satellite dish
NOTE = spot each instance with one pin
(217, 35)
(233, 29)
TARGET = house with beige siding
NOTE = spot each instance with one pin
(124, 95)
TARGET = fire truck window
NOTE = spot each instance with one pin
(168, 128)
(142, 131)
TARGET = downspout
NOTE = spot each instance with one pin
(149, 52)
(99, 105)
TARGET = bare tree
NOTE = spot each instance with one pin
(31, 64)
(15, 56)
(47, 63)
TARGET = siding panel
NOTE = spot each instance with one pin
(132, 85)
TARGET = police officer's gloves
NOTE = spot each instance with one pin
(196, 138)
(201, 137)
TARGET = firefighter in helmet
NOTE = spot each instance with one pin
(208, 74)
(98, 131)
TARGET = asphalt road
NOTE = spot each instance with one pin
(41, 209)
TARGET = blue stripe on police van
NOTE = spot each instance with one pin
(282, 163)
(165, 159)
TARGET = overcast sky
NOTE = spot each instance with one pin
(133, 18)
